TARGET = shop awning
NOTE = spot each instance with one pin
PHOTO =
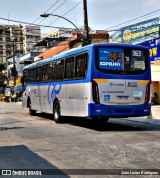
(19, 88)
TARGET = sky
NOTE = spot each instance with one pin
(102, 14)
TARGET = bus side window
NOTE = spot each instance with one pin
(33, 75)
(50, 71)
(28, 75)
(69, 68)
(59, 70)
(25, 76)
(53, 71)
(44, 73)
(81, 65)
(39, 74)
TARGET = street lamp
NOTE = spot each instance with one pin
(86, 38)
(46, 15)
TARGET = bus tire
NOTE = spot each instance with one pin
(57, 112)
(31, 111)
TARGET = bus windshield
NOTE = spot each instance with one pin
(128, 60)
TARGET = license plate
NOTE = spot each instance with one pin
(122, 98)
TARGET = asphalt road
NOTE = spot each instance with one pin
(37, 142)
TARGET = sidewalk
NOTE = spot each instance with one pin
(155, 114)
(154, 119)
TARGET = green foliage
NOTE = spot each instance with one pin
(2, 66)
(2, 79)
(14, 72)
(2, 75)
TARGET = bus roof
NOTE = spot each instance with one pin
(80, 49)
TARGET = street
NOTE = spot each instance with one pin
(37, 142)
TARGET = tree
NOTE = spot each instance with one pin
(14, 72)
(2, 75)
(2, 66)
(2, 79)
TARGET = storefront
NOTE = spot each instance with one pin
(154, 50)
(17, 88)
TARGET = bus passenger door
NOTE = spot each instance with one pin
(24, 99)
(38, 86)
(77, 71)
(33, 89)
(45, 103)
(75, 99)
(34, 95)
(43, 97)
(24, 90)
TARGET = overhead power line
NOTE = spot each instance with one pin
(59, 6)
(132, 19)
(47, 10)
(120, 29)
(32, 24)
(44, 26)
(65, 13)
(54, 10)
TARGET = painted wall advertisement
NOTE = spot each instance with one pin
(137, 33)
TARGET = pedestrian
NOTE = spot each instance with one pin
(14, 96)
(8, 95)
(155, 98)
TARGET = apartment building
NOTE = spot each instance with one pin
(60, 32)
(4, 37)
(17, 39)
(31, 36)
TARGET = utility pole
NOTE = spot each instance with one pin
(87, 39)
(14, 66)
(14, 56)
(13, 70)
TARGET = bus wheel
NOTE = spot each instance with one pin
(57, 112)
(31, 111)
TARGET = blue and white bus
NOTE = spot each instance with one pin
(98, 81)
